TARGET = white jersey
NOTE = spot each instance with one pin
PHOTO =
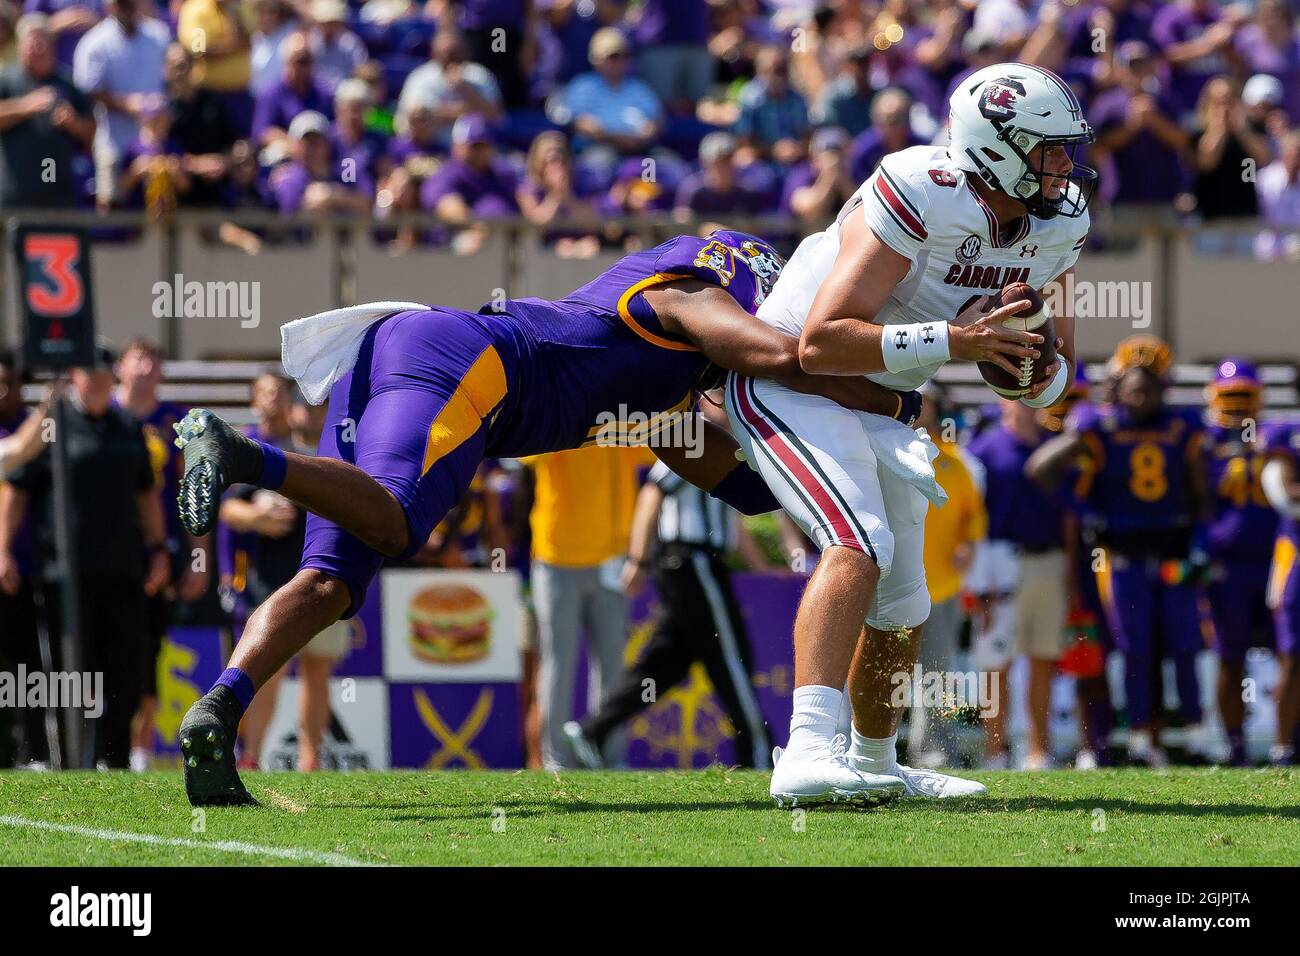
(921, 205)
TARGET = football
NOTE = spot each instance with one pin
(1034, 317)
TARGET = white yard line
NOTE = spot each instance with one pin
(221, 846)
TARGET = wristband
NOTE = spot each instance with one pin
(1052, 394)
(905, 347)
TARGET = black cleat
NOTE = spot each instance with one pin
(208, 753)
(216, 457)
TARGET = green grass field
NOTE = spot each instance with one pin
(712, 817)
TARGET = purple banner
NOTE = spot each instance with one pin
(446, 726)
(687, 726)
(191, 659)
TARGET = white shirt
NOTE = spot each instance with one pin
(107, 60)
(921, 205)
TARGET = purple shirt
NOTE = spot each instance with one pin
(486, 14)
(1019, 511)
(801, 176)
(1146, 170)
(365, 155)
(277, 105)
(289, 183)
(673, 23)
(1262, 57)
(489, 192)
(867, 150)
(1283, 441)
(1174, 24)
(696, 194)
(402, 148)
(1243, 525)
(67, 41)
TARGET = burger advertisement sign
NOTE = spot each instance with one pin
(451, 625)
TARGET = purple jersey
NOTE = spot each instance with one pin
(1136, 484)
(1282, 441)
(1019, 511)
(600, 351)
(1242, 526)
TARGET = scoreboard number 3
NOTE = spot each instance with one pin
(54, 286)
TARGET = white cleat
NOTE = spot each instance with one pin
(825, 776)
(584, 750)
(1087, 760)
(932, 783)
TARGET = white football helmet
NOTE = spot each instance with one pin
(999, 114)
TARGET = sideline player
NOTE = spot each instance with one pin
(1239, 536)
(421, 395)
(1142, 490)
(1281, 482)
(893, 289)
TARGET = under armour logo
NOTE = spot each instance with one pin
(900, 340)
(927, 334)
(1028, 251)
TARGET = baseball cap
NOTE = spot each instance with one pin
(605, 42)
(1262, 89)
(828, 137)
(308, 121)
(471, 128)
(329, 11)
(716, 146)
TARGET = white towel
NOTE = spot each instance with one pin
(319, 350)
(905, 452)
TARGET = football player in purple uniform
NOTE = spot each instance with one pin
(421, 395)
(1281, 483)
(1141, 490)
(1238, 537)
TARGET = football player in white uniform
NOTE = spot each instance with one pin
(893, 289)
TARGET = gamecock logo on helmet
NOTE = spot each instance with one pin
(998, 101)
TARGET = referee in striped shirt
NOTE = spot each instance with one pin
(699, 620)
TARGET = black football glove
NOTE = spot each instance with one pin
(910, 409)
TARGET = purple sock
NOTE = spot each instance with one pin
(274, 466)
(239, 684)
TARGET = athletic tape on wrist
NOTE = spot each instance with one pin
(906, 347)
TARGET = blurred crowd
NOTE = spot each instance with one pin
(572, 112)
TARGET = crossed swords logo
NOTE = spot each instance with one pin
(927, 336)
(455, 743)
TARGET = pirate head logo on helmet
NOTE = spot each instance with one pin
(766, 264)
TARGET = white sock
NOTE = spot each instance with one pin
(1139, 742)
(812, 724)
(1195, 739)
(875, 754)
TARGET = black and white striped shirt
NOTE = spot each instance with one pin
(690, 515)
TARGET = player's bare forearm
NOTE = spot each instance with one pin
(851, 391)
(707, 463)
(733, 339)
(1048, 464)
(641, 538)
(727, 335)
(13, 508)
